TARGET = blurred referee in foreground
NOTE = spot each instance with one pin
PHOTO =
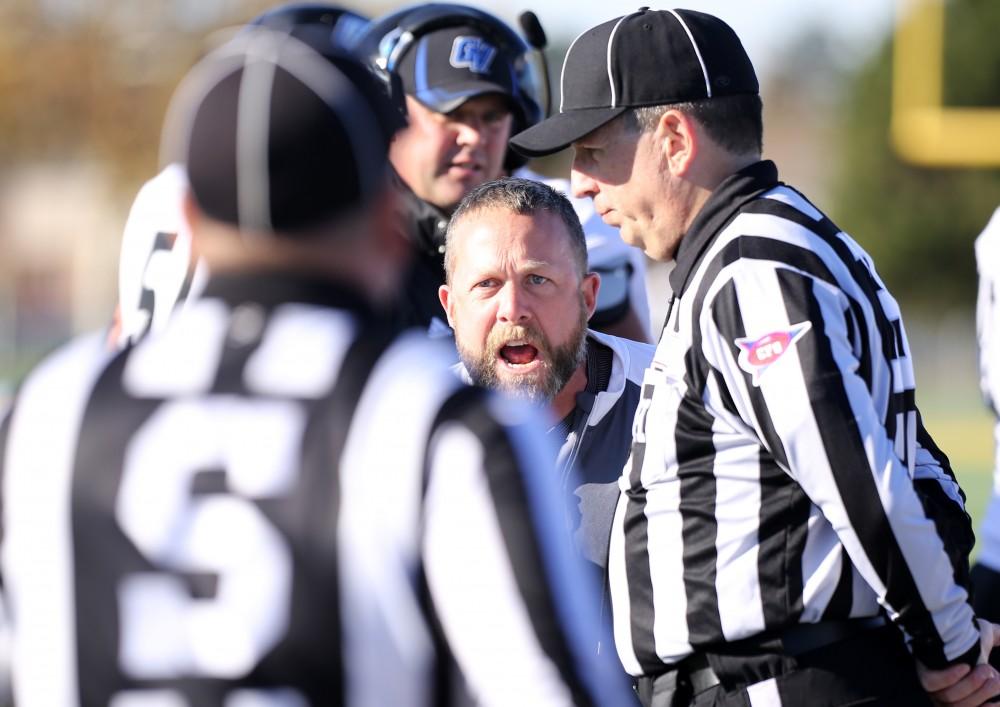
(274, 501)
(784, 512)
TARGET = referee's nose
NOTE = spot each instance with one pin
(581, 184)
(512, 307)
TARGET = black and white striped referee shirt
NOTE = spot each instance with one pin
(274, 502)
(775, 449)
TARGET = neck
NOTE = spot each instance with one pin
(565, 399)
(726, 164)
(709, 175)
(225, 250)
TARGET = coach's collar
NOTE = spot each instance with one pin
(428, 224)
(724, 203)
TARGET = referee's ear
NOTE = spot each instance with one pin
(678, 140)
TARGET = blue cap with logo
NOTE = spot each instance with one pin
(446, 67)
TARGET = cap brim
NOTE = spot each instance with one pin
(445, 99)
(561, 130)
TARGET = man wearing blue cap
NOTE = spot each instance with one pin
(787, 533)
(463, 79)
(466, 81)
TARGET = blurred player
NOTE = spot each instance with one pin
(276, 500)
(156, 272)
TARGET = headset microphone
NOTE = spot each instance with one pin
(536, 38)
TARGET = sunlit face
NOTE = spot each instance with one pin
(623, 172)
(442, 156)
(517, 302)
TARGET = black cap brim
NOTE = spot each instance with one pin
(445, 99)
(561, 130)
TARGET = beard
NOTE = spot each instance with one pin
(539, 386)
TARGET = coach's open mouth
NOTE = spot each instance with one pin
(517, 353)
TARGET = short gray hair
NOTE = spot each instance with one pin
(734, 122)
(524, 197)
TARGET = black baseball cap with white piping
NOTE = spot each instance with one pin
(277, 137)
(646, 58)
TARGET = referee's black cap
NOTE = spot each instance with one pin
(646, 58)
(278, 138)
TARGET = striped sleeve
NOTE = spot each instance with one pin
(512, 598)
(780, 338)
(944, 502)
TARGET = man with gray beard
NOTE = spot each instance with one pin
(518, 295)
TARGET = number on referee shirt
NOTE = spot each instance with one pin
(218, 598)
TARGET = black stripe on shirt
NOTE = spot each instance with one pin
(97, 542)
(640, 583)
(857, 334)
(897, 328)
(637, 569)
(954, 526)
(925, 440)
(696, 472)
(638, 453)
(782, 531)
(842, 599)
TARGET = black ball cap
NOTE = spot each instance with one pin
(278, 138)
(647, 58)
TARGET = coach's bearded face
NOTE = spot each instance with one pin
(522, 362)
(517, 300)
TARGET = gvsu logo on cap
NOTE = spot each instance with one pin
(472, 53)
(757, 355)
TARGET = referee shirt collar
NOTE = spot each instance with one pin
(724, 203)
(271, 288)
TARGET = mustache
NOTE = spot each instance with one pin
(502, 333)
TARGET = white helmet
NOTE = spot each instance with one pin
(155, 272)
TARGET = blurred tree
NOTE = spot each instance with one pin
(919, 223)
(91, 80)
(69, 90)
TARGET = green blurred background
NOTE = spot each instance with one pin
(84, 84)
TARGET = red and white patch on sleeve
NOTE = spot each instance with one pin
(757, 355)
